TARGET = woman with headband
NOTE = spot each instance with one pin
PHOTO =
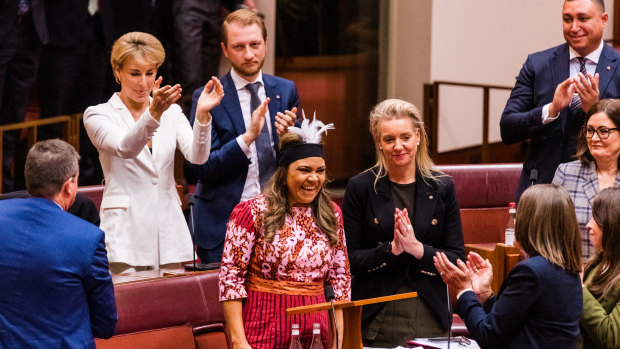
(283, 248)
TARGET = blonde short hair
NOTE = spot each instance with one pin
(136, 45)
(246, 18)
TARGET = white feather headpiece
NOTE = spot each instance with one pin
(310, 131)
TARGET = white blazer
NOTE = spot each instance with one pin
(141, 210)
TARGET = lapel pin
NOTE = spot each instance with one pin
(278, 96)
(376, 220)
(434, 221)
(608, 68)
(430, 197)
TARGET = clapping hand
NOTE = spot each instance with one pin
(587, 89)
(163, 98)
(256, 123)
(210, 97)
(562, 97)
(285, 120)
(456, 276)
(481, 273)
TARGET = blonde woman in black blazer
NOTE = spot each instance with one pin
(397, 215)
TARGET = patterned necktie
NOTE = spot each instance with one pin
(266, 160)
(575, 103)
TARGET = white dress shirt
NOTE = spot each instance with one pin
(252, 181)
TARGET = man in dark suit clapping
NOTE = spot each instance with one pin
(556, 87)
(243, 145)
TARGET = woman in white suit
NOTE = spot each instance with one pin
(137, 136)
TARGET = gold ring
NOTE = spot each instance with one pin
(443, 272)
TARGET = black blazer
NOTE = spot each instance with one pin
(369, 221)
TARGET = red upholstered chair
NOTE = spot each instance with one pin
(169, 312)
(484, 192)
(93, 192)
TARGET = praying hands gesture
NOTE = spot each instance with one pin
(404, 236)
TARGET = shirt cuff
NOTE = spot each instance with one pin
(207, 124)
(546, 118)
(463, 291)
(244, 148)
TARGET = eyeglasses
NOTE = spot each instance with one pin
(602, 132)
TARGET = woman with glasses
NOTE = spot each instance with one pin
(598, 153)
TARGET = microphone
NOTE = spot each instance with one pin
(533, 176)
(449, 315)
(200, 266)
(329, 296)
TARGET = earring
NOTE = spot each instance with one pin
(380, 148)
(418, 143)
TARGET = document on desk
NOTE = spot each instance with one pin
(442, 343)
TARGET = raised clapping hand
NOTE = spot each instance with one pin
(210, 97)
(456, 276)
(404, 236)
(587, 90)
(256, 123)
(285, 120)
(481, 273)
(585, 87)
(163, 98)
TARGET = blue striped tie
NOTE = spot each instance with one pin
(575, 103)
(266, 160)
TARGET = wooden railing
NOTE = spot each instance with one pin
(70, 131)
(431, 114)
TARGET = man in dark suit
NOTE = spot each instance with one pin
(23, 31)
(243, 152)
(556, 87)
(56, 290)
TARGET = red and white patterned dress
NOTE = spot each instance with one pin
(299, 254)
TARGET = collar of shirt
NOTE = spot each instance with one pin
(240, 82)
(592, 57)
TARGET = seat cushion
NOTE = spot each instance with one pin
(180, 337)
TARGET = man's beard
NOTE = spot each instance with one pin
(245, 72)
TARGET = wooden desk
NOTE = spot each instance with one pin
(501, 256)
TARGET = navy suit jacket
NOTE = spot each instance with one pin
(369, 221)
(222, 178)
(56, 290)
(554, 143)
(538, 306)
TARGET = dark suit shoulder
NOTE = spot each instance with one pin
(537, 265)
(276, 80)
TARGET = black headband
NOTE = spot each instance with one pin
(295, 152)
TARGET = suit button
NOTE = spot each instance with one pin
(154, 181)
(434, 221)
